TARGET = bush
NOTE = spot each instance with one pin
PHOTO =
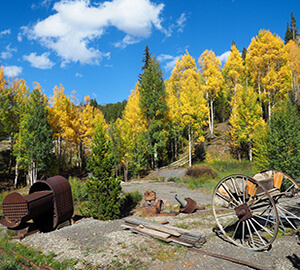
(129, 201)
(174, 179)
(201, 171)
(79, 191)
(103, 198)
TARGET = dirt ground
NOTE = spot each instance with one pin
(105, 245)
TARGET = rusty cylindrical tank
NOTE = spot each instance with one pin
(49, 203)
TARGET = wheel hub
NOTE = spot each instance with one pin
(243, 212)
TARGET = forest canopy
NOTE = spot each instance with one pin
(163, 118)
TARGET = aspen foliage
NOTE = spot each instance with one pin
(266, 62)
(73, 125)
(293, 50)
(245, 121)
(187, 107)
(212, 81)
(133, 114)
(125, 134)
(234, 71)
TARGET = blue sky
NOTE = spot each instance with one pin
(96, 47)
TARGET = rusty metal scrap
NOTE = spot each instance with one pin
(188, 205)
(151, 206)
(48, 204)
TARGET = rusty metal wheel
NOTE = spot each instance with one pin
(245, 212)
(285, 192)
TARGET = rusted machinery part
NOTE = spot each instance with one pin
(150, 196)
(62, 199)
(188, 205)
(285, 191)
(223, 257)
(49, 203)
(18, 209)
(245, 212)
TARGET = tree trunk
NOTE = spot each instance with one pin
(155, 157)
(190, 147)
(126, 171)
(16, 174)
(269, 110)
(250, 152)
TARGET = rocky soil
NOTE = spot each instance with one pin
(105, 245)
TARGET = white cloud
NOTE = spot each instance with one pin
(39, 61)
(181, 22)
(77, 23)
(169, 61)
(223, 57)
(8, 53)
(127, 40)
(12, 71)
(5, 32)
(78, 75)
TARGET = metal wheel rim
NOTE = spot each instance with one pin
(287, 202)
(260, 228)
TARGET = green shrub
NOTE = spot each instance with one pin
(102, 188)
(174, 179)
(201, 171)
(79, 191)
(103, 198)
(129, 201)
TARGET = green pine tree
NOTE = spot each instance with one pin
(281, 148)
(102, 188)
(154, 107)
(291, 32)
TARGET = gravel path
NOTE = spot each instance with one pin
(167, 190)
(103, 244)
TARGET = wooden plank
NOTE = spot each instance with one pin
(172, 234)
(182, 243)
(149, 235)
(153, 232)
(139, 221)
(163, 229)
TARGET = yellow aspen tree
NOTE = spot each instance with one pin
(245, 121)
(3, 81)
(124, 134)
(212, 81)
(59, 103)
(293, 52)
(174, 89)
(133, 114)
(132, 130)
(266, 62)
(234, 71)
(194, 110)
(87, 119)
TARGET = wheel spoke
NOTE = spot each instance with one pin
(230, 223)
(229, 193)
(282, 214)
(250, 234)
(257, 233)
(245, 216)
(236, 228)
(227, 199)
(264, 228)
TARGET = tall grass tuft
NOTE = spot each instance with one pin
(201, 171)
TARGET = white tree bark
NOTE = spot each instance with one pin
(16, 174)
(190, 148)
